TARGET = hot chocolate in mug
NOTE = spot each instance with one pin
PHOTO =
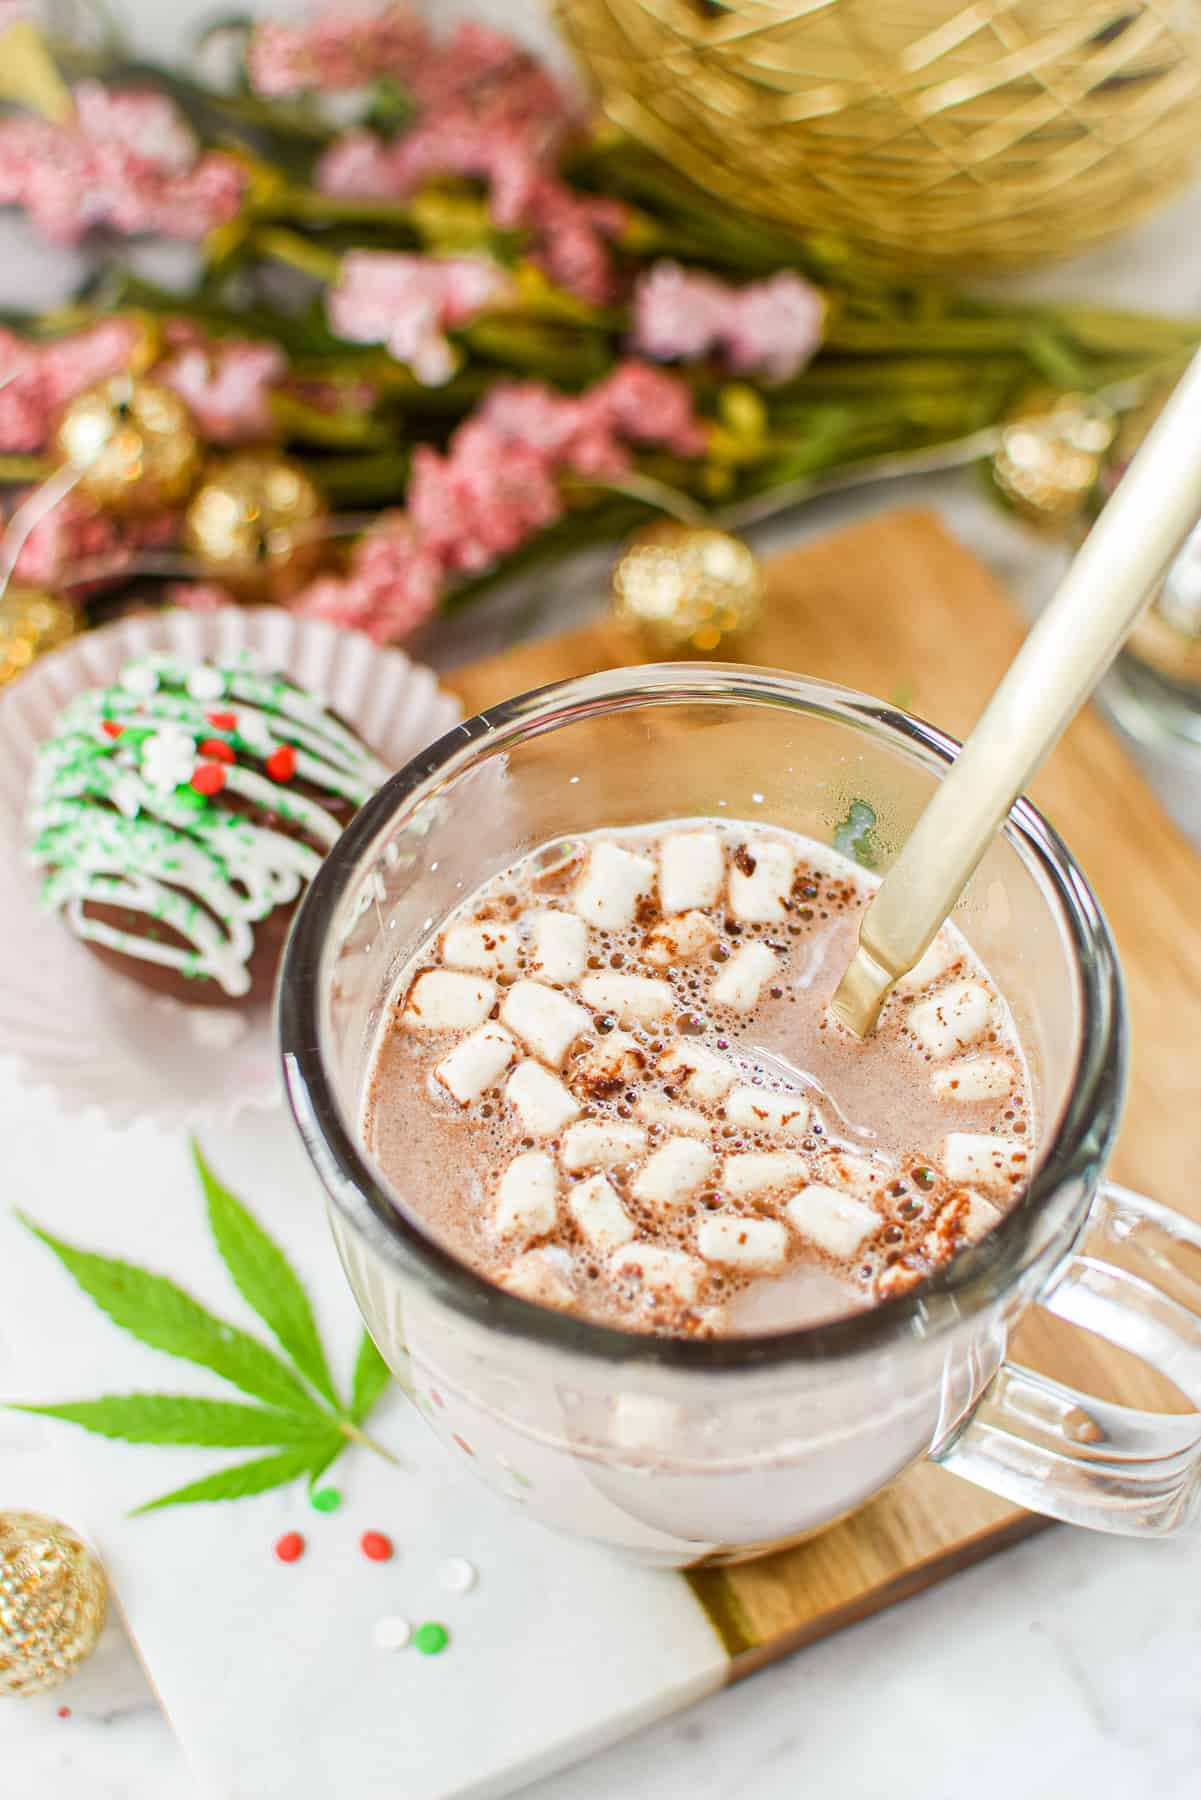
(680, 1451)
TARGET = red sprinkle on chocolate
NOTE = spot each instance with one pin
(218, 749)
(208, 779)
(281, 764)
(376, 1545)
(290, 1547)
(222, 721)
(110, 728)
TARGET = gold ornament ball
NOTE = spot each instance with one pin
(52, 1600)
(686, 590)
(256, 525)
(133, 443)
(31, 623)
(1051, 457)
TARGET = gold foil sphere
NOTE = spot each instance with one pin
(133, 444)
(52, 1601)
(1051, 457)
(256, 524)
(31, 623)
(686, 590)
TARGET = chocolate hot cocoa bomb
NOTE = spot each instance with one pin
(179, 814)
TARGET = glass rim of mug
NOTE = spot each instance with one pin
(1073, 1155)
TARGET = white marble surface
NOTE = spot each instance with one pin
(1065, 1667)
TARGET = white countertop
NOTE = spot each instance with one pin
(1065, 1667)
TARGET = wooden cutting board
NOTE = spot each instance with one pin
(896, 607)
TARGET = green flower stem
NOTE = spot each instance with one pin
(278, 244)
(22, 469)
(310, 206)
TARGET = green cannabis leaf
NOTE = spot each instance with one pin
(304, 1421)
(853, 835)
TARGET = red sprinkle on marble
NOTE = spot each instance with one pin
(110, 728)
(64, 1712)
(218, 749)
(281, 764)
(462, 1443)
(208, 779)
(290, 1547)
(222, 721)
(376, 1545)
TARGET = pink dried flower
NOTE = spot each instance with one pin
(568, 230)
(495, 78)
(481, 501)
(393, 585)
(126, 160)
(646, 405)
(76, 532)
(569, 432)
(340, 49)
(37, 379)
(408, 303)
(678, 312)
(199, 596)
(227, 385)
(769, 327)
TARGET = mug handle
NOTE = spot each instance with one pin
(1056, 1450)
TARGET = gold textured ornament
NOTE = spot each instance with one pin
(934, 134)
(31, 623)
(1051, 458)
(52, 1602)
(686, 590)
(133, 444)
(256, 523)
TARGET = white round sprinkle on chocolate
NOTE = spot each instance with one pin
(457, 1575)
(391, 1632)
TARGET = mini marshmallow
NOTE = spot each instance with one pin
(610, 888)
(544, 1019)
(985, 1161)
(559, 945)
(735, 1243)
(444, 1000)
(674, 1172)
(599, 1213)
(702, 1074)
(977, 1078)
(834, 1221)
(754, 1109)
(489, 949)
(744, 977)
(759, 897)
(975, 1222)
(541, 1101)
(953, 1018)
(650, 1110)
(476, 1062)
(938, 957)
(677, 940)
(757, 1171)
(644, 1421)
(863, 1176)
(526, 1197)
(691, 870)
(601, 1144)
(662, 1271)
(541, 1276)
(616, 1057)
(633, 999)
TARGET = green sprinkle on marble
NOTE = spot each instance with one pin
(431, 1638)
(326, 1500)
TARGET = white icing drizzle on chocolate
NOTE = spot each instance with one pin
(124, 809)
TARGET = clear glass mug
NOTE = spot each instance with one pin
(680, 1452)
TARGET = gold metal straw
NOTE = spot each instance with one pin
(1063, 658)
